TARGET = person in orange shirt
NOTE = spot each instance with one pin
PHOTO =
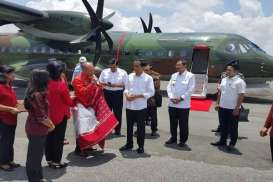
(268, 124)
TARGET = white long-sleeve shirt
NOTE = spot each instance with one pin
(181, 86)
(139, 85)
(117, 77)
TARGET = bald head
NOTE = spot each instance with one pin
(88, 68)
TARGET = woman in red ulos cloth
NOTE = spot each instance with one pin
(89, 98)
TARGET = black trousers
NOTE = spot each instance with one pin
(7, 137)
(229, 126)
(220, 122)
(138, 117)
(55, 143)
(152, 114)
(179, 117)
(114, 100)
(34, 158)
(271, 146)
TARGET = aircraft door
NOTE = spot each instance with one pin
(199, 67)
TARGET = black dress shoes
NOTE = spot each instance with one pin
(126, 148)
(181, 144)
(140, 150)
(218, 144)
(230, 148)
(154, 133)
(171, 141)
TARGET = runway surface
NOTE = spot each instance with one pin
(200, 162)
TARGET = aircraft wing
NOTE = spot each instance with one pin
(14, 13)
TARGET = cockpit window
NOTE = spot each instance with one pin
(251, 45)
(231, 48)
(238, 48)
(243, 48)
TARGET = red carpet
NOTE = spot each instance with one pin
(201, 105)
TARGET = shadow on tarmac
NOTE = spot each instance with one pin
(95, 159)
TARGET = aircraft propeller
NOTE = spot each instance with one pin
(148, 29)
(99, 26)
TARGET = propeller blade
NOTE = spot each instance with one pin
(92, 14)
(151, 22)
(145, 28)
(109, 16)
(98, 49)
(99, 11)
(85, 37)
(158, 30)
(109, 40)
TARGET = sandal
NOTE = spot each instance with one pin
(58, 166)
(6, 168)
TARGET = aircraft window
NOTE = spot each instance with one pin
(255, 47)
(183, 53)
(171, 53)
(3, 49)
(243, 49)
(51, 51)
(148, 53)
(19, 50)
(231, 48)
(34, 50)
(39, 49)
(160, 53)
(10, 50)
(246, 47)
(44, 50)
(27, 50)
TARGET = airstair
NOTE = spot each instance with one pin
(199, 67)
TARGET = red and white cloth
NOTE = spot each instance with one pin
(92, 117)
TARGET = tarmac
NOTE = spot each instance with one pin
(199, 162)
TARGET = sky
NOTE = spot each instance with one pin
(252, 19)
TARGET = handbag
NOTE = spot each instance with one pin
(158, 99)
(243, 117)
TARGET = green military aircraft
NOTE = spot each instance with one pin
(67, 35)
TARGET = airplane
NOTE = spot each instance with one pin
(67, 35)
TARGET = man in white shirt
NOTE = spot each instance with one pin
(114, 79)
(138, 89)
(229, 101)
(78, 69)
(180, 89)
